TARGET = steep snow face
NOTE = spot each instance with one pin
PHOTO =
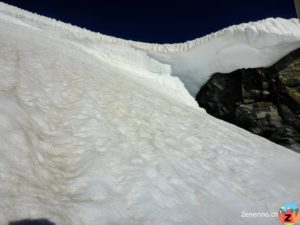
(94, 131)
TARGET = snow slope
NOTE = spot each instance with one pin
(249, 45)
(96, 130)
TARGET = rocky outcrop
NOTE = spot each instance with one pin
(265, 101)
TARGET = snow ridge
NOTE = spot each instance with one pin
(123, 56)
(270, 25)
(248, 45)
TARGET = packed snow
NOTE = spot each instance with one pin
(99, 130)
(249, 45)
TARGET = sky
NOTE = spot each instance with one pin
(163, 21)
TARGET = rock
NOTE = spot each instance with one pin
(289, 117)
(286, 100)
(265, 101)
(260, 118)
(220, 95)
(290, 78)
(265, 85)
(264, 119)
(265, 94)
(251, 85)
(294, 93)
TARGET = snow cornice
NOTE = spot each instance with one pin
(286, 27)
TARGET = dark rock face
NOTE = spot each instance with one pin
(220, 95)
(265, 101)
(32, 222)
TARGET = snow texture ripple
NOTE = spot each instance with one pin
(97, 130)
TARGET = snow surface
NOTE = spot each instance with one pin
(99, 130)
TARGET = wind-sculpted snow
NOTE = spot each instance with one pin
(248, 45)
(251, 45)
(97, 132)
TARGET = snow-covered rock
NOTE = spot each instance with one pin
(98, 130)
